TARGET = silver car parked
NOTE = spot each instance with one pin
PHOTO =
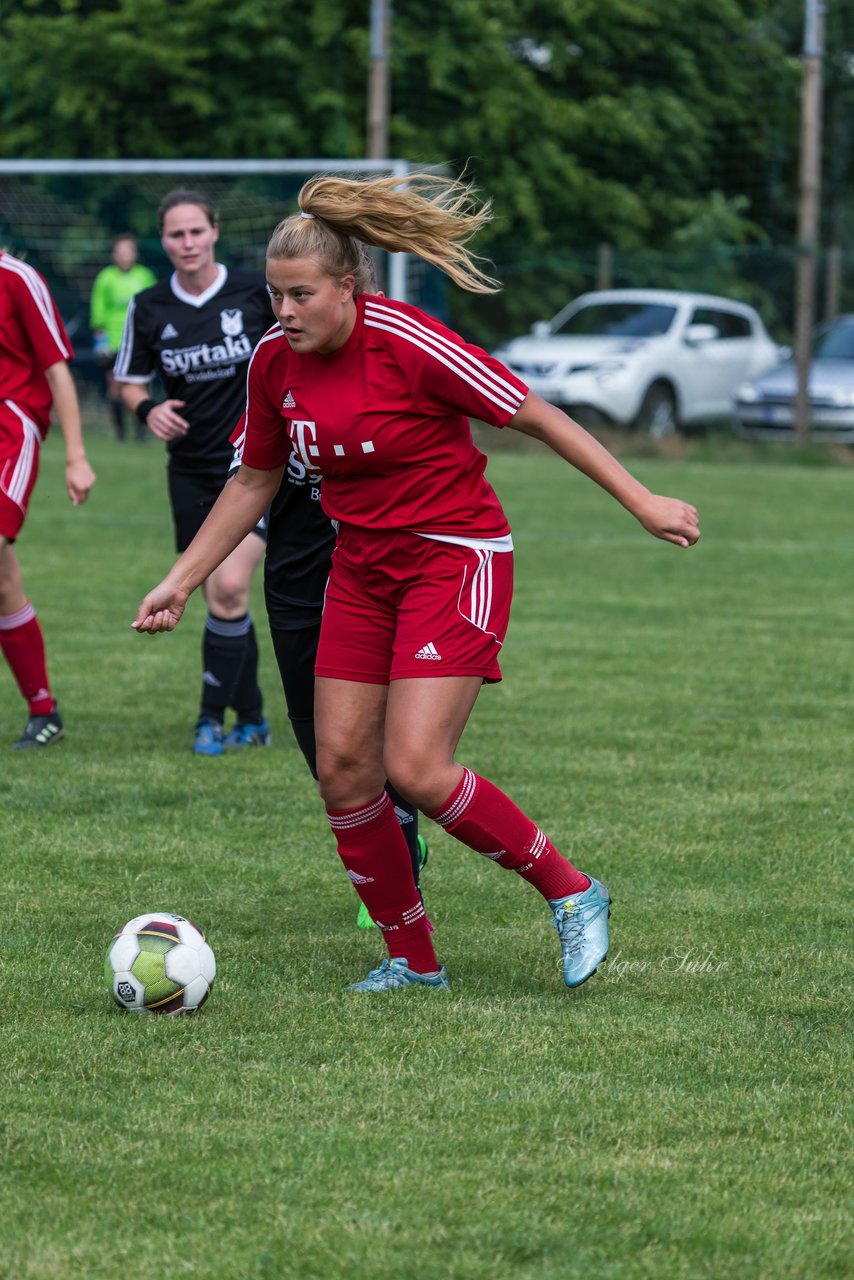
(654, 359)
(765, 407)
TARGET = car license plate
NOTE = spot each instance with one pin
(773, 414)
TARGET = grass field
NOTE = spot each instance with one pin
(681, 723)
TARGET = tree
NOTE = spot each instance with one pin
(592, 121)
(633, 122)
(140, 78)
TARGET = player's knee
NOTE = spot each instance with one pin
(415, 776)
(11, 582)
(345, 781)
(228, 597)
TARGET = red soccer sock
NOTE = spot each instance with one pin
(374, 852)
(22, 643)
(488, 821)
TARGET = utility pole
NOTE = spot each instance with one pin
(378, 82)
(376, 133)
(808, 205)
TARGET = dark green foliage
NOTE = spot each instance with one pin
(668, 129)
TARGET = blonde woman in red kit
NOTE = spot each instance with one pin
(376, 396)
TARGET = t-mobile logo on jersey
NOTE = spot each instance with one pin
(304, 437)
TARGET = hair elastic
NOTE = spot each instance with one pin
(306, 215)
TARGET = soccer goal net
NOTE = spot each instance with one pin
(61, 216)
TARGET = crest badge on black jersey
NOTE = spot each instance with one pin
(232, 322)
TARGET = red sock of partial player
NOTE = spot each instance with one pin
(488, 821)
(374, 852)
(22, 643)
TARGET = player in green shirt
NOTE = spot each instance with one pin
(112, 291)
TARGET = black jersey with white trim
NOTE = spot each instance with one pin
(300, 540)
(200, 347)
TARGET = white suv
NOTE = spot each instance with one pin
(651, 358)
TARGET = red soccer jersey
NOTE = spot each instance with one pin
(385, 421)
(32, 338)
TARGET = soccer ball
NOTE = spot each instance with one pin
(160, 963)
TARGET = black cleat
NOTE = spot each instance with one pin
(41, 731)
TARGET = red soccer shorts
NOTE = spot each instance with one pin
(20, 442)
(399, 606)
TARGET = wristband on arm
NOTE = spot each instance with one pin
(143, 409)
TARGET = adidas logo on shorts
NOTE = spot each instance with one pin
(430, 652)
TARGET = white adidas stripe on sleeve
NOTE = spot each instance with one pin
(123, 358)
(41, 297)
(486, 381)
(15, 485)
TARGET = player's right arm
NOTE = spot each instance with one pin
(79, 476)
(236, 511)
(51, 351)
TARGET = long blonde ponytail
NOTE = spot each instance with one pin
(425, 214)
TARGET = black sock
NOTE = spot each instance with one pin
(407, 816)
(118, 412)
(295, 652)
(246, 697)
(224, 648)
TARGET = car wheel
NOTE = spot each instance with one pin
(657, 417)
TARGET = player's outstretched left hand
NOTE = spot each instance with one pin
(670, 519)
(161, 609)
(79, 478)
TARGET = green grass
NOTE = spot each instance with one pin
(681, 723)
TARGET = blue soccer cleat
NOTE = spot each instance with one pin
(208, 739)
(396, 973)
(581, 923)
(248, 735)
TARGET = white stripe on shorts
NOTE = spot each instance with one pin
(475, 602)
(15, 485)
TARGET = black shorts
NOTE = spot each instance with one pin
(192, 497)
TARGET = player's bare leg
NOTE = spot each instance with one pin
(424, 723)
(349, 722)
(350, 726)
(227, 589)
(12, 597)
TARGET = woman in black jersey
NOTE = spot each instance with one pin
(196, 332)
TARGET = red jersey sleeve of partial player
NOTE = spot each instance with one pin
(39, 317)
(266, 444)
(445, 371)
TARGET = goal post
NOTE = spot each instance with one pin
(61, 215)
